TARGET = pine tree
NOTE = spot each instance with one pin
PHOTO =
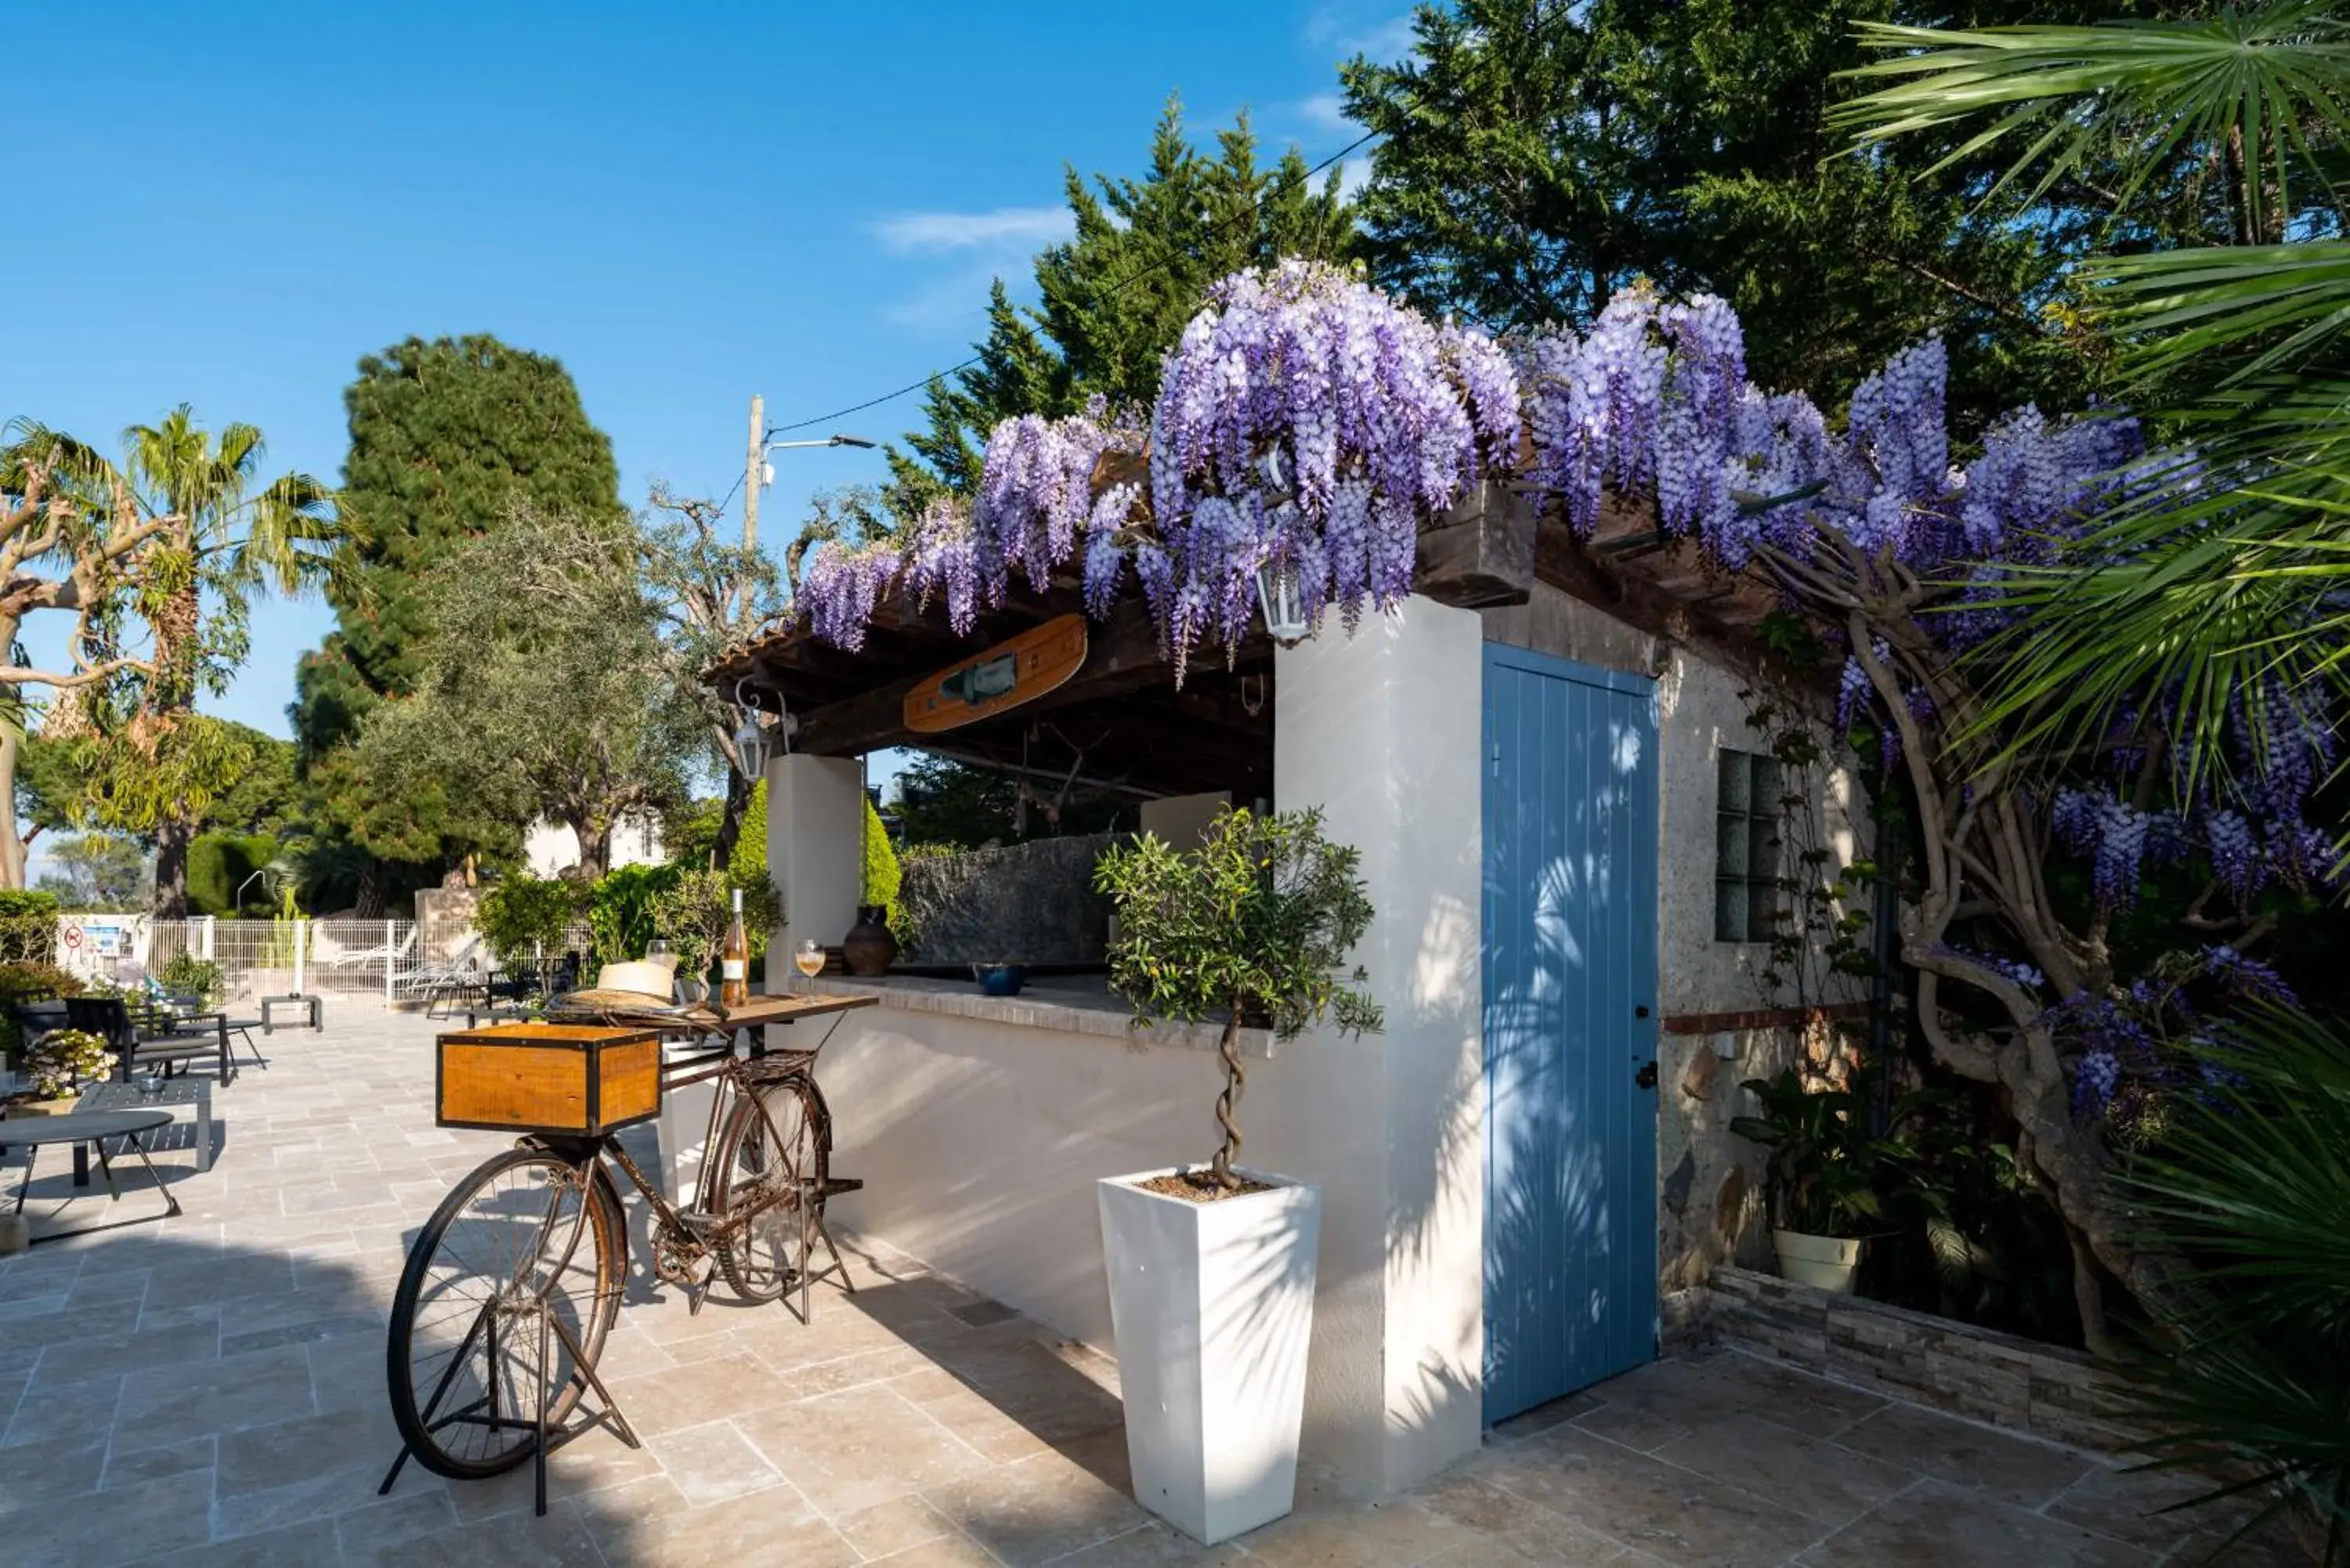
(1536, 157)
(1113, 297)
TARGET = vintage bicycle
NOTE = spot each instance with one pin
(513, 1285)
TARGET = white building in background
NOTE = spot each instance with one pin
(549, 848)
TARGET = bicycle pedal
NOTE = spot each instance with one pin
(701, 1221)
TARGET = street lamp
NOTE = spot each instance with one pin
(767, 470)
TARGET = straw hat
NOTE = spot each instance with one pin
(632, 983)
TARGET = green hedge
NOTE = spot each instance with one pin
(28, 928)
(221, 863)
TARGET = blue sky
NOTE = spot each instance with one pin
(228, 204)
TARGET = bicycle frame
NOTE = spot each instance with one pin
(685, 1239)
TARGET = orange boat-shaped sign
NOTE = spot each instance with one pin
(1038, 660)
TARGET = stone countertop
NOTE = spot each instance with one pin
(1064, 1005)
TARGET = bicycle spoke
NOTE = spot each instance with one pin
(528, 1240)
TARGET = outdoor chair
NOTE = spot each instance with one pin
(164, 1012)
(35, 1019)
(394, 953)
(449, 981)
(163, 1041)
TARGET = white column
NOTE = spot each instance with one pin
(210, 921)
(1383, 732)
(388, 927)
(301, 952)
(816, 844)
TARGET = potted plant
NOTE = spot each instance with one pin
(1822, 1178)
(871, 947)
(1211, 1267)
(53, 1065)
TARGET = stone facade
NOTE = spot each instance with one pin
(2043, 1390)
(444, 919)
(1023, 903)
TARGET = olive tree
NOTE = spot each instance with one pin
(1255, 924)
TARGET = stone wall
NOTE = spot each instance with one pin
(1023, 903)
(2020, 1384)
(444, 919)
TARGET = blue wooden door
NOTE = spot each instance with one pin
(1570, 940)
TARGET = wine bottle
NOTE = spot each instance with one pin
(735, 961)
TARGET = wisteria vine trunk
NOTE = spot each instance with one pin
(1983, 850)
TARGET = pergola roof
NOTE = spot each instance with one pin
(1122, 725)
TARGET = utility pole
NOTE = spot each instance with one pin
(751, 462)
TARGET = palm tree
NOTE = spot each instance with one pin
(232, 534)
(2215, 147)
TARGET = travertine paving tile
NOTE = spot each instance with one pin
(212, 1389)
(1934, 1525)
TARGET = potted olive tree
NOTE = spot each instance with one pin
(1822, 1186)
(1212, 1266)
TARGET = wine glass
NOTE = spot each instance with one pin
(810, 958)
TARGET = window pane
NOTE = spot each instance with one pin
(1762, 864)
(1762, 905)
(1734, 778)
(1730, 848)
(1729, 911)
(1766, 787)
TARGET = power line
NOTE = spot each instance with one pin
(1102, 299)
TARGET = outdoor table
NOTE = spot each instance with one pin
(707, 1019)
(246, 1026)
(317, 1012)
(86, 1131)
(196, 1093)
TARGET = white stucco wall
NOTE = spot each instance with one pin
(548, 847)
(815, 825)
(1383, 732)
(980, 1140)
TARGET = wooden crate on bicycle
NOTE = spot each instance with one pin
(575, 1079)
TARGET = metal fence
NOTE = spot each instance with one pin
(346, 957)
(257, 958)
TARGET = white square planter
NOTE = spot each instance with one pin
(1212, 1304)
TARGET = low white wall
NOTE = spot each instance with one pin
(980, 1141)
(981, 1138)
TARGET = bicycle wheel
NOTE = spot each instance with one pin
(507, 1252)
(763, 1161)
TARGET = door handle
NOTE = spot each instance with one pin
(1646, 1077)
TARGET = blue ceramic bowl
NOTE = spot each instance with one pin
(1000, 979)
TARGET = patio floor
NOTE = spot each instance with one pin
(217, 1381)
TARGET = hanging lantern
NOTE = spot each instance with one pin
(1282, 596)
(753, 741)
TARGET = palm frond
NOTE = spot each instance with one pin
(2269, 78)
(2249, 310)
(2252, 1185)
